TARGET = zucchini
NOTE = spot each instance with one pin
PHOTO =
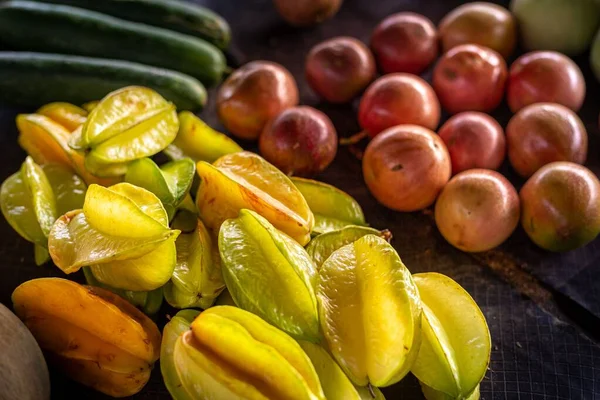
(32, 26)
(34, 79)
(175, 15)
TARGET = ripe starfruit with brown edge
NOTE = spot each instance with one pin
(246, 180)
(68, 115)
(197, 279)
(456, 343)
(322, 246)
(149, 302)
(370, 311)
(229, 353)
(334, 381)
(333, 208)
(128, 124)
(122, 234)
(270, 275)
(199, 141)
(46, 141)
(92, 335)
(170, 182)
(32, 198)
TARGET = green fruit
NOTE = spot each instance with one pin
(322, 246)
(333, 209)
(456, 345)
(199, 141)
(197, 279)
(148, 302)
(370, 312)
(262, 267)
(566, 26)
(23, 370)
(335, 383)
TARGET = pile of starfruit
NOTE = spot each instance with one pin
(285, 291)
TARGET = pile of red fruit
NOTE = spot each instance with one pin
(407, 166)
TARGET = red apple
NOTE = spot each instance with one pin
(339, 69)
(542, 133)
(397, 99)
(474, 140)
(405, 42)
(405, 167)
(545, 77)
(470, 78)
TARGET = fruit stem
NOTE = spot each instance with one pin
(354, 139)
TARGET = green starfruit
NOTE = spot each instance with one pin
(229, 353)
(148, 302)
(197, 278)
(170, 183)
(199, 141)
(456, 344)
(333, 209)
(263, 267)
(322, 246)
(246, 180)
(32, 198)
(334, 381)
(432, 394)
(128, 124)
(370, 311)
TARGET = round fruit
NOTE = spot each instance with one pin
(474, 140)
(545, 77)
(23, 370)
(254, 94)
(542, 133)
(481, 23)
(566, 26)
(560, 206)
(405, 42)
(397, 99)
(470, 78)
(307, 12)
(405, 167)
(477, 210)
(299, 141)
(339, 69)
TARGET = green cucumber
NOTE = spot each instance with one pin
(32, 26)
(176, 15)
(34, 79)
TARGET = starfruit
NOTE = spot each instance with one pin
(432, 394)
(91, 334)
(46, 141)
(333, 209)
(334, 381)
(229, 353)
(32, 198)
(90, 105)
(246, 180)
(456, 344)
(370, 311)
(68, 115)
(149, 302)
(322, 246)
(199, 141)
(122, 233)
(197, 278)
(128, 124)
(269, 274)
(170, 183)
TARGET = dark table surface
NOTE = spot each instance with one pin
(543, 309)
